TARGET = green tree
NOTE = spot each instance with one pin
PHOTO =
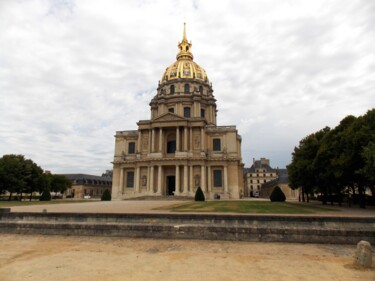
(368, 171)
(301, 171)
(59, 183)
(199, 195)
(12, 174)
(106, 196)
(46, 195)
(277, 195)
(331, 161)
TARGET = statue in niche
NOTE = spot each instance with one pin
(144, 180)
(197, 180)
(197, 142)
(145, 142)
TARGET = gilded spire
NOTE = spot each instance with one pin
(184, 37)
(184, 47)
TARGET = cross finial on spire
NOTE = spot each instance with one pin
(184, 35)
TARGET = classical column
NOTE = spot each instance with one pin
(121, 189)
(186, 177)
(191, 139)
(185, 138)
(209, 179)
(203, 178)
(139, 147)
(160, 140)
(149, 141)
(191, 180)
(136, 179)
(153, 141)
(159, 179)
(177, 139)
(177, 189)
(225, 179)
(202, 139)
(151, 179)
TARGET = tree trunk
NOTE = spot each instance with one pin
(307, 197)
(362, 197)
(31, 196)
(324, 201)
(303, 194)
(10, 196)
(21, 196)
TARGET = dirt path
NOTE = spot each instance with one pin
(57, 258)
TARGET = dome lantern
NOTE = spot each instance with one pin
(184, 47)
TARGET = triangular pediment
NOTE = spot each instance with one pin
(169, 117)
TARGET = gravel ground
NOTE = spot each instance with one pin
(39, 258)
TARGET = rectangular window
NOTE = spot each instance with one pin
(130, 179)
(218, 179)
(187, 112)
(131, 148)
(216, 145)
(171, 109)
(203, 113)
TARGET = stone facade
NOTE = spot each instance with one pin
(258, 174)
(180, 147)
(87, 185)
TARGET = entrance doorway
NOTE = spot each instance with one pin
(171, 185)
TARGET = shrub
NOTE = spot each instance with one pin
(199, 196)
(46, 196)
(277, 195)
(106, 196)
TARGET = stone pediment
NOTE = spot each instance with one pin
(169, 117)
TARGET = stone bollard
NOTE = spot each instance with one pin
(363, 254)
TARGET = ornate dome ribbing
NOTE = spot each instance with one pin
(184, 67)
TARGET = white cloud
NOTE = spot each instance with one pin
(74, 72)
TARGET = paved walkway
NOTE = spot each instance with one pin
(148, 206)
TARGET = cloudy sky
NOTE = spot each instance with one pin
(72, 72)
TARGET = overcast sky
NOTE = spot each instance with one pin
(73, 72)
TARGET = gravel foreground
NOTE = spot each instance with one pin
(68, 258)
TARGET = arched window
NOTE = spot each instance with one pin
(201, 90)
(187, 88)
(187, 112)
(171, 89)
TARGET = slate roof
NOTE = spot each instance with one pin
(258, 165)
(89, 179)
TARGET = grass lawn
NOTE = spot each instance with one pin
(248, 207)
(8, 204)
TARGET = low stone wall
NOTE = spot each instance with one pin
(301, 229)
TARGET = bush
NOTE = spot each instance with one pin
(106, 196)
(46, 196)
(277, 195)
(199, 196)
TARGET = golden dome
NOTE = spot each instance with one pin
(184, 67)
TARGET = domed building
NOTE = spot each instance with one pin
(180, 147)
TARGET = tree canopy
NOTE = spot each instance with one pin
(336, 161)
(19, 175)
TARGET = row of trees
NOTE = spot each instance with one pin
(19, 176)
(338, 161)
